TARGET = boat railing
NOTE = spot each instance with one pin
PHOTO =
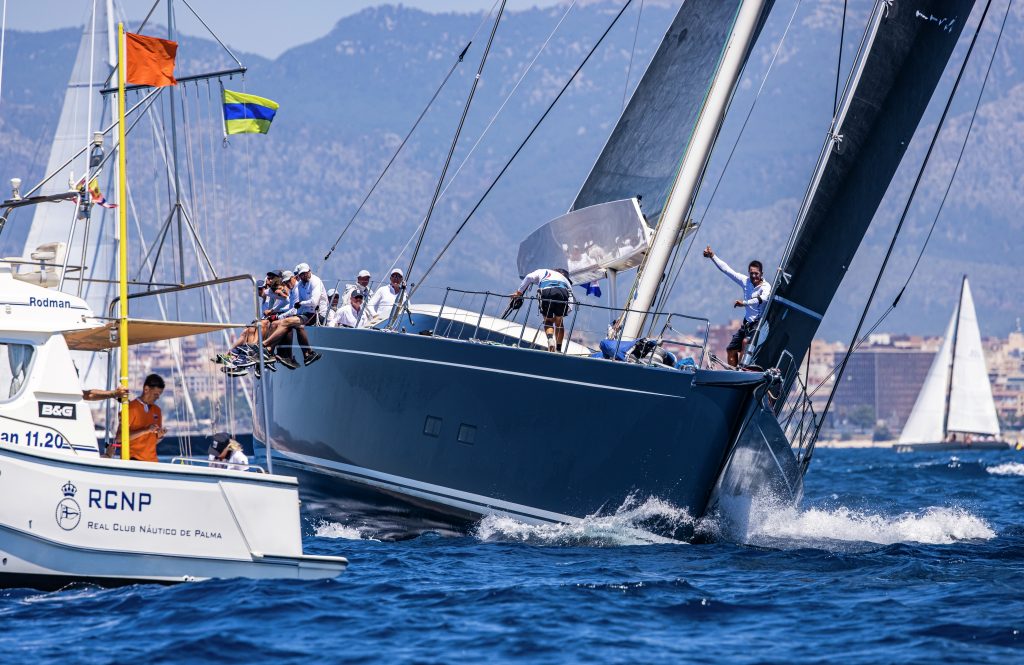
(486, 317)
(217, 464)
(799, 420)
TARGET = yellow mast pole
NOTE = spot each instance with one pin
(122, 245)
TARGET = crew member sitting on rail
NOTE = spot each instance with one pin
(287, 321)
(333, 302)
(755, 296)
(554, 289)
(312, 298)
(145, 423)
(353, 315)
(242, 354)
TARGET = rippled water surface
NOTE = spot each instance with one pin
(890, 558)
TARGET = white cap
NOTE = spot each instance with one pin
(331, 293)
(399, 271)
(363, 273)
(301, 268)
(286, 275)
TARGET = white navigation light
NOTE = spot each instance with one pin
(15, 189)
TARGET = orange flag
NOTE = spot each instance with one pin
(150, 60)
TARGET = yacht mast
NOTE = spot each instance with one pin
(673, 219)
(952, 359)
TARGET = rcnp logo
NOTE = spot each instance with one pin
(69, 513)
(56, 410)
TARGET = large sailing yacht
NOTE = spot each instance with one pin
(955, 408)
(454, 409)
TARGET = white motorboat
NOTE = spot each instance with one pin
(67, 514)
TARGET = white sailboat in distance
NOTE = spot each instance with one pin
(955, 408)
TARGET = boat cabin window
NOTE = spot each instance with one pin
(15, 360)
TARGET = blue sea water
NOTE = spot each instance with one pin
(910, 558)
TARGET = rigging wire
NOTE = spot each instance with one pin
(892, 243)
(632, 52)
(825, 148)
(920, 255)
(839, 60)
(673, 269)
(451, 150)
(394, 156)
(494, 117)
(519, 149)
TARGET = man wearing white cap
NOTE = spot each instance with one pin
(362, 285)
(333, 302)
(312, 298)
(383, 300)
(352, 315)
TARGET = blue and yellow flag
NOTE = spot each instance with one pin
(247, 114)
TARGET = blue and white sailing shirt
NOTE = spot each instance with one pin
(284, 307)
(754, 297)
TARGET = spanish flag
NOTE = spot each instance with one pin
(247, 114)
(150, 60)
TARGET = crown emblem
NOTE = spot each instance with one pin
(69, 489)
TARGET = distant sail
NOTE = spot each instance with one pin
(909, 44)
(52, 223)
(971, 407)
(924, 425)
(968, 395)
(643, 153)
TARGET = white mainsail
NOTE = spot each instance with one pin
(83, 112)
(971, 407)
(968, 394)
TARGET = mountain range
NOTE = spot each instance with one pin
(348, 98)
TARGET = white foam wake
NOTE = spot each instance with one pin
(1008, 469)
(630, 524)
(820, 527)
(326, 529)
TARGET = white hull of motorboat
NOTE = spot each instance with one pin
(65, 519)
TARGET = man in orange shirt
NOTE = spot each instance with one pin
(145, 422)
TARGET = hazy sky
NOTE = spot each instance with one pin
(265, 27)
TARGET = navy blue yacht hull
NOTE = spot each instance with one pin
(469, 429)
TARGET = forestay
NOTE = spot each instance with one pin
(906, 49)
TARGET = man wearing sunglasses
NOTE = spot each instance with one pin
(755, 297)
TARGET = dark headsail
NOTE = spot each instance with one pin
(642, 154)
(891, 85)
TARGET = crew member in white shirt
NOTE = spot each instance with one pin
(333, 301)
(352, 314)
(383, 300)
(554, 289)
(756, 292)
(312, 297)
(362, 284)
